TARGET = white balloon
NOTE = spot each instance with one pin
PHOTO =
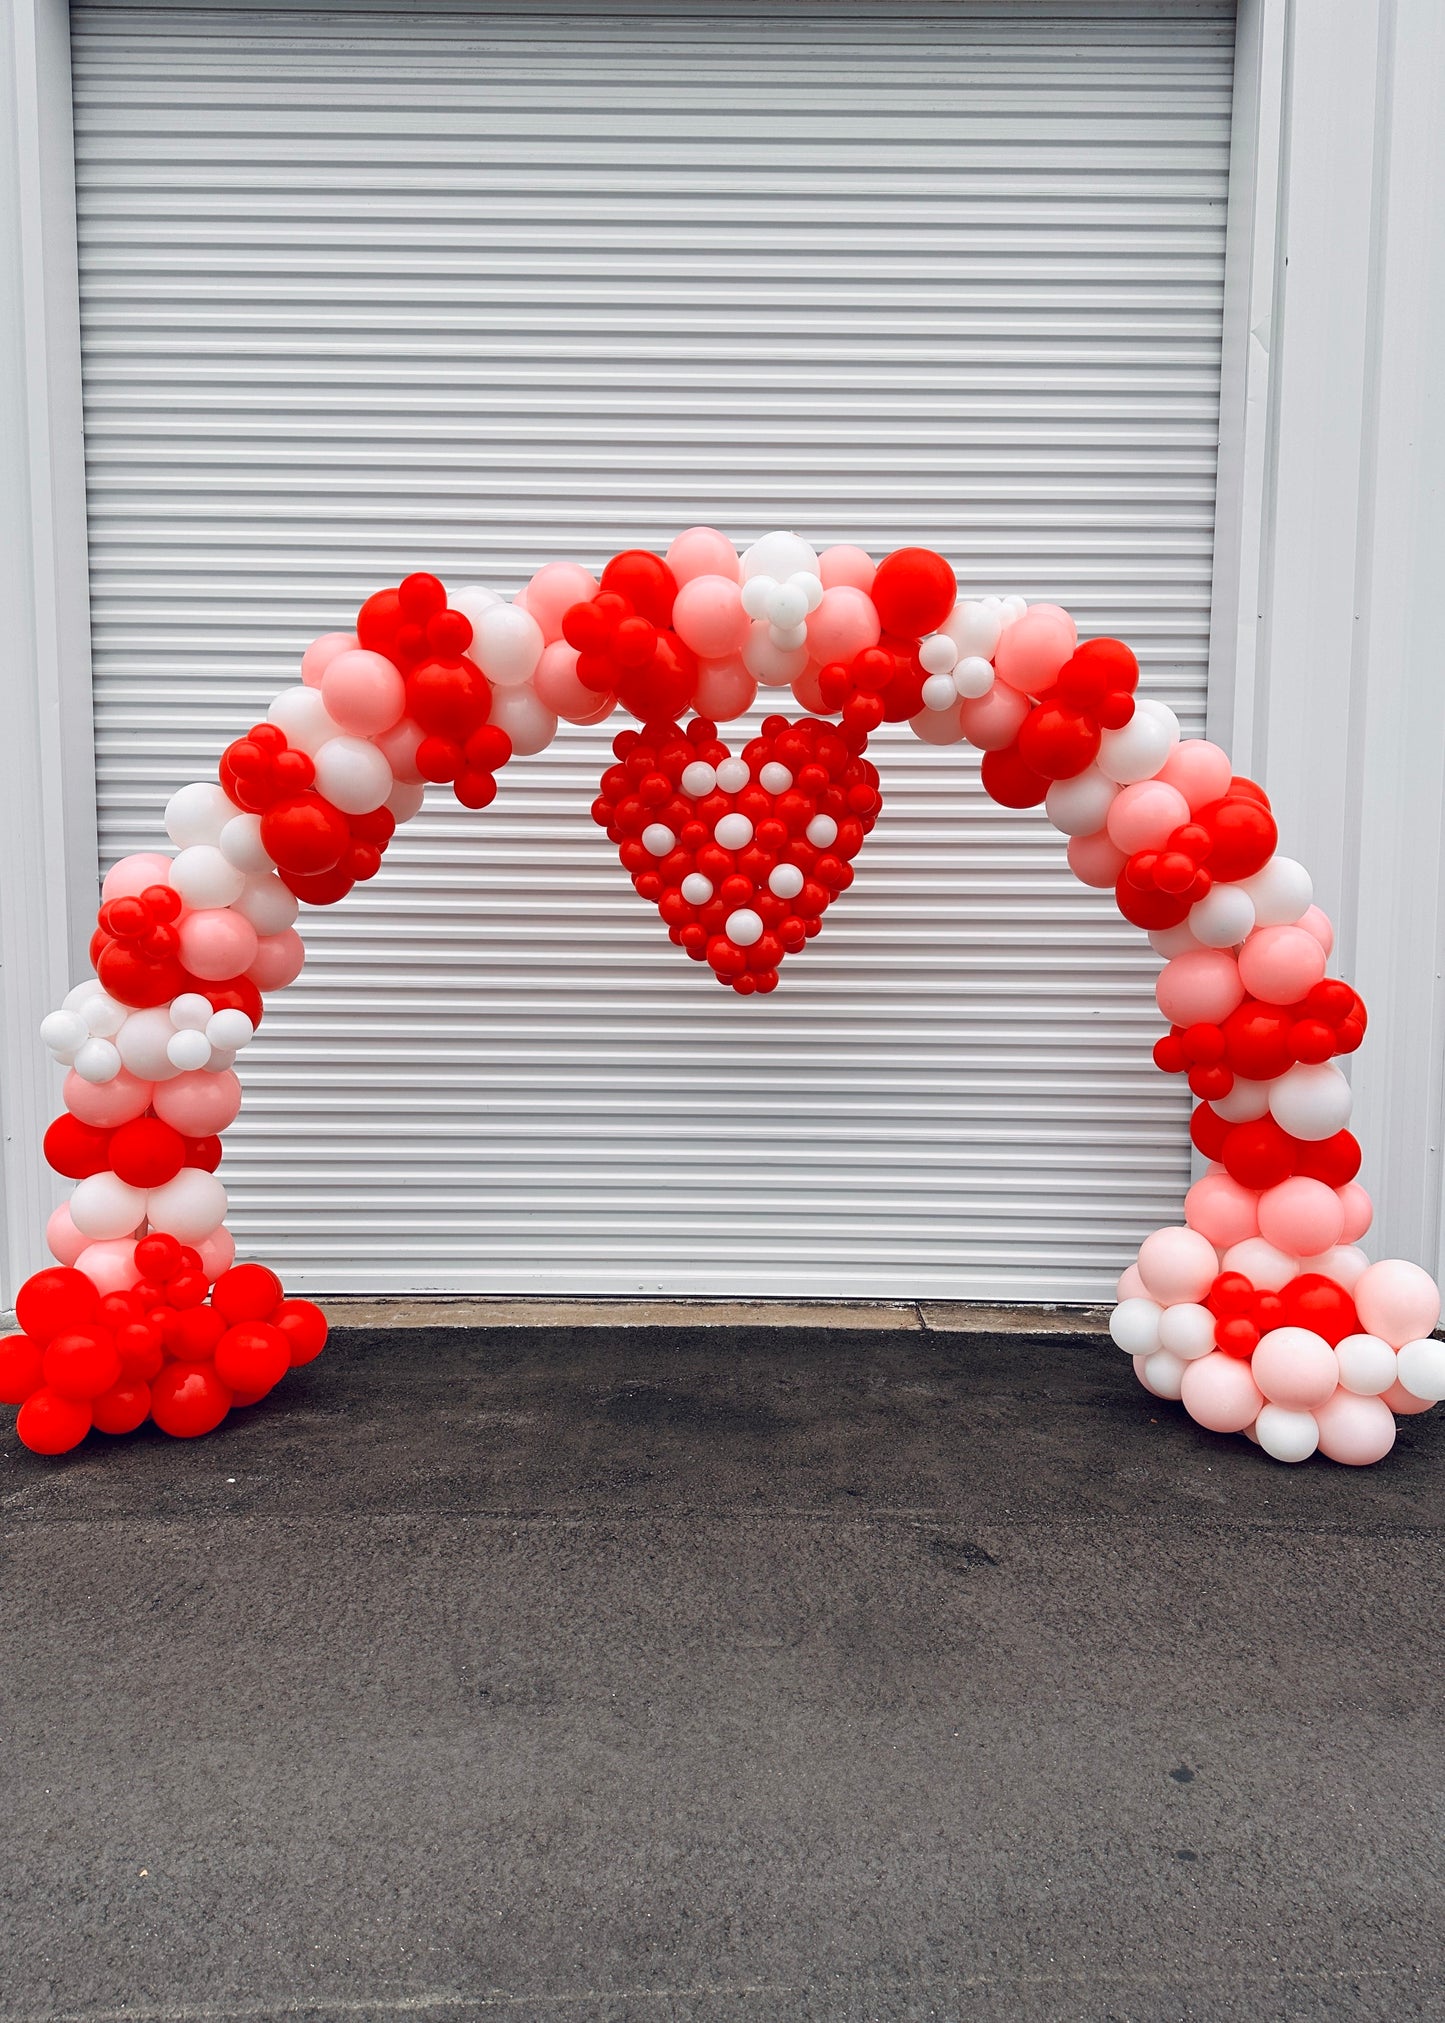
(143, 1040)
(1013, 609)
(788, 605)
(190, 1012)
(779, 555)
(1245, 1101)
(822, 832)
(786, 880)
(188, 1050)
(773, 665)
(757, 595)
(1367, 1365)
(188, 1207)
(103, 1207)
(1138, 750)
(1187, 1331)
(788, 638)
(205, 877)
(1311, 1100)
(241, 845)
(939, 692)
(733, 832)
(197, 813)
(1422, 1369)
(103, 1016)
(698, 778)
(304, 717)
(972, 677)
(1281, 892)
(474, 601)
(1164, 1373)
(696, 889)
(63, 1032)
(1267, 1269)
(405, 800)
(733, 775)
(658, 839)
(1077, 807)
(938, 654)
(1134, 1325)
(221, 1057)
(974, 626)
(526, 719)
(229, 1029)
(1286, 1435)
(1223, 917)
(506, 644)
(744, 927)
(268, 903)
(97, 1060)
(352, 774)
(776, 779)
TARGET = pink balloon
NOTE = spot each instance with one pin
(1267, 1269)
(1177, 1264)
(217, 1252)
(1199, 770)
(725, 689)
(1140, 1365)
(63, 1238)
(398, 747)
(1131, 1285)
(1144, 816)
(1031, 651)
(107, 1103)
(1359, 1211)
(278, 960)
(110, 1266)
(845, 567)
(363, 693)
(1295, 1368)
(129, 877)
(1400, 1400)
(845, 623)
(1301, 1216)
(1342, 1262)
(554, 590)
(217, 943)
(199, 1103)
(557, 686)
(1397, 1301)
(1094, 860)
(939, 726)
(1314, 920)
(703, 551)
(992, 720)
(1279, 964)
(1203, 984)
(1355, 1431)
(1221, 1210)
(320, 654)
(1218, 1392)
(709, 617)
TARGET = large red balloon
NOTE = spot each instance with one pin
(247, 1292)
(77, 1150)
(913, 591)
(305, 834)
(189, 1399)
(50, 1424)
(147, 1152)
(56, 1302)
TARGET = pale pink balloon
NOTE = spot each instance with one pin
(110, 1266)
(363, 693)
(63, 1238)
(725, 689)
(1201, 985)
(991, 720)
(199, 1103)
(1301, 1216)
(217, 1253)
(1177, 1264)
(320, 654)
(1314, 920)
(1398, 1301)
(557, 686)
(1144, 816)
(709, 617)
(107, 1104)
(1031, 651)
(1356, 1431)
(702, 551)
(217, 943)
(1094, 860)
(939, 726)
(1266, 1268)
(1295, 1368)
(1218, 1392)
(1199, 770)
(1359, 1210)
(1342, 1262)
(1279, 964)
(1131, 1285)
(1405, 1402)
(845, 623)
(521, 713)
(1140, 1365)
(129, 876)
(840, 567)
(278, 960)
(1221, 1210)
(554, 590)
(398, 747)
(807, 694)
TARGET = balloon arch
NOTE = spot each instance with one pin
(1260, 1312)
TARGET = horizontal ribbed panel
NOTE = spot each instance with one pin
(367, 290)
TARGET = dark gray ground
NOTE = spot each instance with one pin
(719, 1674)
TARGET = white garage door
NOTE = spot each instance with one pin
(373, 289)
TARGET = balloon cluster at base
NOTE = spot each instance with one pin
(1261, 1314)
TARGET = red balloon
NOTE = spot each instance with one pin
(50, 1424)
(1010, 782)
(203, 1152)
(421, 596)
(147, 1152)
(320, 888)
(1056, 742)
(1258, 1154)
(1145, 906)
(1208, 1131)
(122, 1408)
(304, 1327)
(913, 591)
(56, 1302)
(1242, 836)
(192, 1336)
(1315, 1302)
(1098, 670)
(646, 582)
(21, 1370)
(136, 979)
(237, 994)
(77, 1150)
(251, 1357)
(305, 834)
(189, 1399)
(247, 1292)
(448, 698)
(1257, 1041)
(378, 622)
(1334, 1160)
(157, 1256)
(138, 1345)
(82, 1365)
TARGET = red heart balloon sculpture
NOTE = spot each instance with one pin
(742, 854)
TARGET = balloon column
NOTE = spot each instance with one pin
(1260, 1312)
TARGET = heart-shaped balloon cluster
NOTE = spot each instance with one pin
(741, 853)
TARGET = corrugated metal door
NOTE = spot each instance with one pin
(371, 289)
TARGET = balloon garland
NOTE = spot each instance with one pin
(1260, 1312)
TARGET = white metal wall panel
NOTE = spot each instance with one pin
(371, 289)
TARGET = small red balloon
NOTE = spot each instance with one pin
(305, 1328)
(247, 1292)
(122, 1408)
(82, 1365)
(21, 1369)
(189, 1399)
